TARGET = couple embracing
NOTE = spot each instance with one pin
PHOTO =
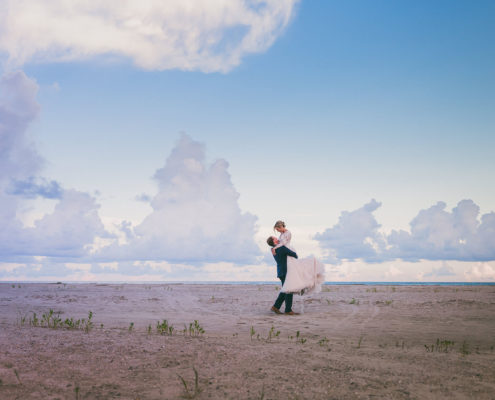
(298, 276)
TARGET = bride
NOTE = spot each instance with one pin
(304, 275)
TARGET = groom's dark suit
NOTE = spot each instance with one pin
(281, 258)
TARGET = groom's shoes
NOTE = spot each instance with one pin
(291, 313)
(276, 310)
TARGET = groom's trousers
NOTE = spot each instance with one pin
(287, 297)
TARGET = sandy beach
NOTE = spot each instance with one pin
(350, 342)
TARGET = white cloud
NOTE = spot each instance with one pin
(393, 272)
(480, 272)
(195, 217)
(74, 223)
(157, 266)
(9, 267)
(114, 266)
(200, 35)
(444, 270)
(435, 234)
(78, 266)
(355, 236)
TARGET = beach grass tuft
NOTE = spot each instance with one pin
(440, 346)
(193, 392)
(52, 320)
(164, 328)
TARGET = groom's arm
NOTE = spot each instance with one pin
(285, 251)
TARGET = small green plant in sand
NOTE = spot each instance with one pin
(21, 319)
(359, 342)
(393, 289)
(441, 346)
(323, 342)
(354, 301)
(328, 301)
(34, 321)
(388, 302)
(88, 324)
(195, 329)
(164, 328)
(131, 326)
(17, 376)
(272, 334)
(399, 344)
(252, 332)
(299, 338)
(85, 324)
(191, 393)
(76, 391)
(52, 320)
(262, 394)
(149, 329)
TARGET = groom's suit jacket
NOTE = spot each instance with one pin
(281, 258)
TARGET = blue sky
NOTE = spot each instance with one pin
(335, 104)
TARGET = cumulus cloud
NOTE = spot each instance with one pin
(443, 270)
(71, 228)
(154, 34)
(355, 236)
(435, 234)
(195, 217)
(480, 272)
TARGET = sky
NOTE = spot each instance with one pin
(160, 141)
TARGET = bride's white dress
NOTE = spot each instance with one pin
(304, 275)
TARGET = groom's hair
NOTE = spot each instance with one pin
(270, 241)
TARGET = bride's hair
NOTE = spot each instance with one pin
(279, 224)
(270, 241)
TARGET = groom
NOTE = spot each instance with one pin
(281, 258)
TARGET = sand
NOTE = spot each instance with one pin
(354, 342)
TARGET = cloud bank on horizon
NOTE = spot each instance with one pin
(155, 35)
(435, 234)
